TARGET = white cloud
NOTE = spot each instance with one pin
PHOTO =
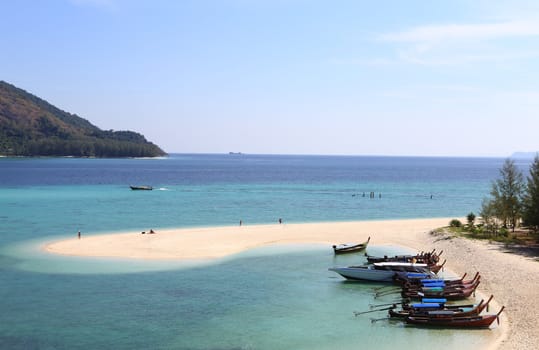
(464, 56)
(467, 32)
(457, 44)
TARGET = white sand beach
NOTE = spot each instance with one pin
(214, 242)
(506, 276)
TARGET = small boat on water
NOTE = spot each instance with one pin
(380, 272)
(143, 188)
(350, 247)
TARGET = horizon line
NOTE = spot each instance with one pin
(525, 155)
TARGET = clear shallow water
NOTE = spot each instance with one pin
(272, 298)
(263, 300)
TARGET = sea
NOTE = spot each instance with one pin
(265, 298)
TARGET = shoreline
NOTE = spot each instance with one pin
(192, 243)
(500, 272)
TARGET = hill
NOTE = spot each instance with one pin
(30, 126)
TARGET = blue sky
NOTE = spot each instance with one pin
(430, 78)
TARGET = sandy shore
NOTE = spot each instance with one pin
(506, 276)
(214, 242)
(511, 278)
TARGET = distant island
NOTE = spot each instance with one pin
(30, 126)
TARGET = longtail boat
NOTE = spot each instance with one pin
(424, 258)
(403, 278)
(350, 247)
(454, 321)
(439, 309)
(451, 294)
(433, 285)
(434, 290)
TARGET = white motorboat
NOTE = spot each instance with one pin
(381, 272)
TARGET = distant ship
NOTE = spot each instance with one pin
(235, 153)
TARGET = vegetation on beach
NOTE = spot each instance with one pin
(531, 197)
(505, 206)
(510, 214)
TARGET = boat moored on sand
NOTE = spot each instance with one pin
(350, 247)
(451, 321)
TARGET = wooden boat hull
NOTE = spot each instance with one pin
(350, 248)
(426, 258)
(453, 322)
(440, 310)
(443, 321)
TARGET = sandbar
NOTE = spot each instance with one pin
(215, 242)
(512, 279)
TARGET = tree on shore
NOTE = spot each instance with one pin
(471, 219)
(531, 198)
(507, 193)
(488, 215)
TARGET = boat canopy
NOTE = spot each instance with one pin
(416, 275)
(437, 284)
(434, 300)
(432, 280)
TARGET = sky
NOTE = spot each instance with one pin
(347, 77)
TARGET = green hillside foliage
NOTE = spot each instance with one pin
(30, 126)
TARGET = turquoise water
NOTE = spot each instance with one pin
(269, 298)
(266, 299)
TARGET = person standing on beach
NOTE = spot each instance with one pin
(78, 234)
(240, 222)
(280, 221)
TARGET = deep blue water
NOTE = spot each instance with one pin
(208, 169)
(266, 299)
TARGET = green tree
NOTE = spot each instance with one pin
(531, 198)
(455, 223)
(507, 193)
(488, 215)
(471, 219)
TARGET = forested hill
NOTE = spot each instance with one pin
(30, 126)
